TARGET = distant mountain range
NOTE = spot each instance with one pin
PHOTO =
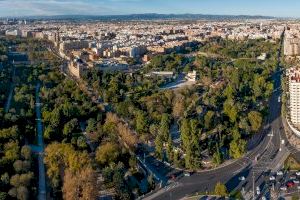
(150, 16)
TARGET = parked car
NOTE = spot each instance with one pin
(298, 173)
(242, 178)
(290, 184)
(173, 177)
(187, 174)
(272, 178)
(296, 181)
(279, 173)
(283, 188)
(257, 190)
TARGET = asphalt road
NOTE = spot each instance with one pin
(273, 158)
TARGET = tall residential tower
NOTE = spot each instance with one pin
(294, 90)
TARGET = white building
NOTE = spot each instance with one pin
(192, 76)
(165, 74)
(14, 32)
(263, 57)
(294, 89)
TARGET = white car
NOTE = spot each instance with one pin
(257, 190)
(187, 174)
(279, 173)
(242, 178)
(283, 188)
(270, 135)
(298, 173)
(272, 178)
(296, 181)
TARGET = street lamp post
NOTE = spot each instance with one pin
(280, 142)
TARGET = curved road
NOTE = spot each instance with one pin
(268, 151)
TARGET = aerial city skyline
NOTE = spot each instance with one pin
(276, 8)
(149, 99)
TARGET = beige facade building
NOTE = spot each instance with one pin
(292, 46)
(73, 45)
(77, 67)
(294, 90)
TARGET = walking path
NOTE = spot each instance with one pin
(40, 148)
(11, 91)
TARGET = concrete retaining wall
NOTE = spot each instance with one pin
(293, 128)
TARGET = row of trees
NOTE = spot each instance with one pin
(5, 73)
(67, 114)
(16, 127)
(64, 109)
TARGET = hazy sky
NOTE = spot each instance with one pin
(281, 8)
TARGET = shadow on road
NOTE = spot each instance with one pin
(235, 181)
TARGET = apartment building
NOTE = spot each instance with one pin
(294, 90)
(292, 46)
